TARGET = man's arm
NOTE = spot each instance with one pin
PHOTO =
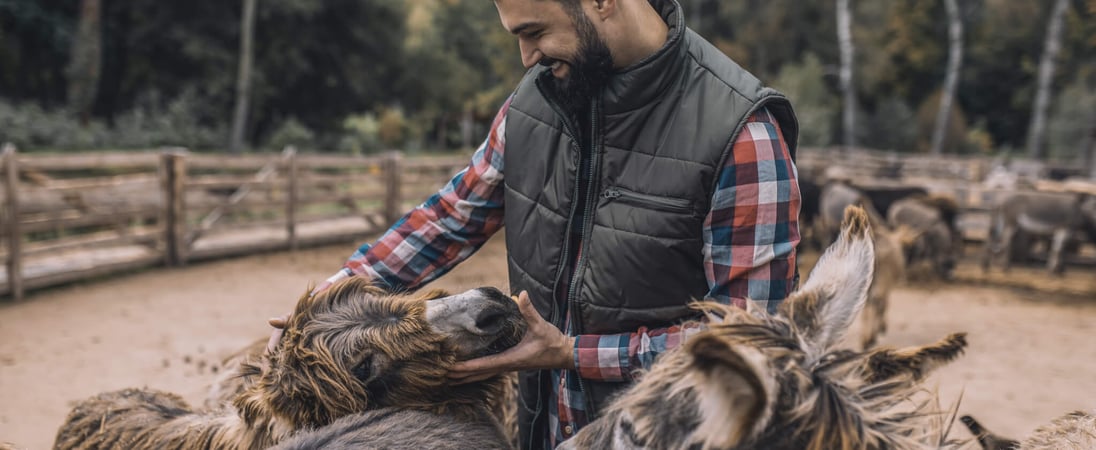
(750, 236)
(443, 231)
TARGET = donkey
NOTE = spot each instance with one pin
(1073, 431)
(348, 350)
(757, 381)
(935, 218)
(1057, 217)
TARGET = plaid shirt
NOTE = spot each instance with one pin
(750, 235)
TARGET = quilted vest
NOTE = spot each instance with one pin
(658, 132)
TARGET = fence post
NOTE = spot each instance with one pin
(14, 234)
(392, 199)
(173, 180)
(290, 155)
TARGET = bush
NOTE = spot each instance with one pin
(1071, 119)
(814, 104)
(361, 134)
(291, 132)
(151, 123)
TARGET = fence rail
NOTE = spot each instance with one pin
(72, 217)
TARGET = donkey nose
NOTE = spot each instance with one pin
(490, 320)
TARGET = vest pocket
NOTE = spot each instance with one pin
(668, 204)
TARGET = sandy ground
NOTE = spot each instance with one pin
(1032, 354)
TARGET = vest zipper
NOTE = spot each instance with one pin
(669, 204)
(587, 225)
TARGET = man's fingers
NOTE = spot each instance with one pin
(278, 322)
(471, 378)
(526, 307)
(272, 343)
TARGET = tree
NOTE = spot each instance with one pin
(951, 80)
(844, 39)
(85, 61)
(243, 77)
(1052, 45)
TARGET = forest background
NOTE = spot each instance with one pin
(361, 76)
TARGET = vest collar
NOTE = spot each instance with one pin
(644, 81)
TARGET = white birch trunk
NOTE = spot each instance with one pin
(844, 40)
(243, 77)
(1037, 129)
(951, 80)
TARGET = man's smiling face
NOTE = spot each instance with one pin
(563, 38)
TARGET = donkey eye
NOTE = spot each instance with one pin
(364, 369)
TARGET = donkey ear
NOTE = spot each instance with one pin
(834, 294)
(913, 363)
(733, 390)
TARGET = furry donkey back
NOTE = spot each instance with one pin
(349, 350)
(752, 380)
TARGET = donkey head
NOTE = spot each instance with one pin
(354, 347)
(755, 381)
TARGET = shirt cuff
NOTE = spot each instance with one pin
(603, 357)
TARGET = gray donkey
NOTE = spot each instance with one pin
(757, 381)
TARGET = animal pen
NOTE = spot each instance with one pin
(69, 217)
(78, 216)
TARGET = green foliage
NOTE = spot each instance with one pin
(393, 128)
(27, 125)
(291, 132)
(815, 105)
(151, 123)
(361, 134)
(1072, 118)
(954, 135)
(339, 67)
(891, 126)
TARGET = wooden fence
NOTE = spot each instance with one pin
(77, 216)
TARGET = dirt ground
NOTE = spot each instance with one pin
(1032, 353)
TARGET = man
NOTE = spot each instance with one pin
(635, 168)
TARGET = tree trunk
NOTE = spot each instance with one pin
(85, 63)
(1051, 48)
(467, 124)
(243, 77)
(844, 40)
(951, 80)
(1090, 151)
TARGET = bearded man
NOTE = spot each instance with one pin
(635, 168)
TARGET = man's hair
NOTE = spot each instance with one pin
(573, 8)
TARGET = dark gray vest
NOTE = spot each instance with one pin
(660, 131)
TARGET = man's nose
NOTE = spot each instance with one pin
(530, 55)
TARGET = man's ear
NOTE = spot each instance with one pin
(604, 8)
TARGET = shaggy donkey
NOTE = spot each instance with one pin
(347, 350)
(755, 381)
(1073, 431)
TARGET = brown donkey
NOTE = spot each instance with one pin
(755, 381)
(351, 349)
(1072, 431)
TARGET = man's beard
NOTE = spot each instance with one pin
(589, 70)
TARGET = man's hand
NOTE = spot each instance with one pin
(279, 324)
(542, 347)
